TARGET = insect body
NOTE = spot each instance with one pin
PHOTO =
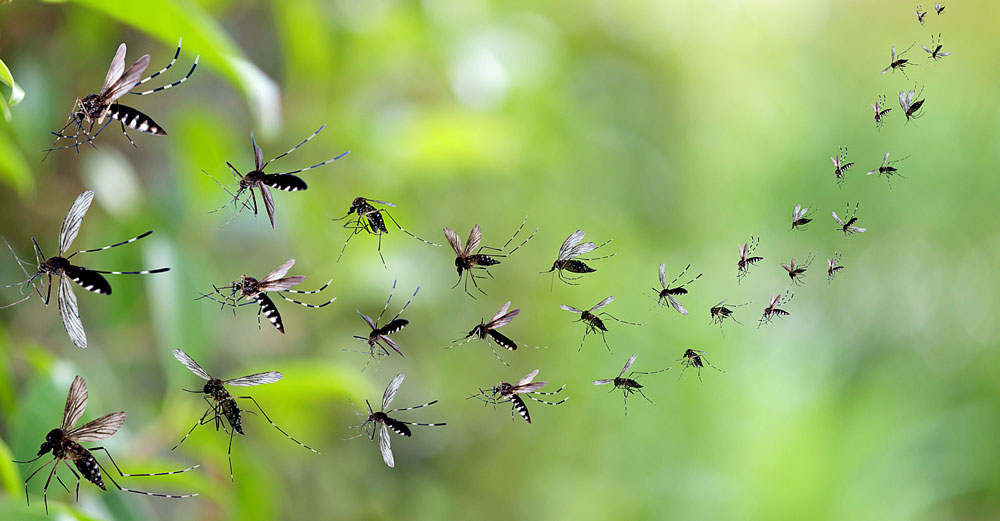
(939, 7)
(380, 334)
(470, 257)
(887, 169)
(848, 226)
(721, 311)
(381, 421)
(507, 392)
(796, 272)
(935, 49)
(910, 107)
(772, 310)
(840, 165)
(833, 266)
(696, 359)
(898, 63)
(594, 322)
(569, 258)
(488, 330)
(368, 218)
(881, 111)
(628, 385)
(668, 292)
(746, 258)
(799, 217)
(920, 15)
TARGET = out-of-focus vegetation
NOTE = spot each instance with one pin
(680, 129)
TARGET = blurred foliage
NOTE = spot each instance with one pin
(679, 129)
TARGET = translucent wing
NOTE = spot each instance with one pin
(503, 318)
(265, 194)
(926, 49)
(527, 378)
(570, 309)
(74, 217)
(99, 429)
(188, 362)
(885, 159)
(835, 218)
(128, 80)
(663, 275)
(453, 240)
(390, 392)
(857, 229)
(503, 310)
(602, 382)
(70, 313)
(529, 387)
(281, 284)
(258, 154)
(569, 243)
(578, 250)
(603, 303)
(367, 319)
(280, 271)
(677, 305)
(76, 403)
(797, 212)
(783, 265)
(383, 446)
(255, 379)
(940, 54)
(475, 236)
(116, 69)
(628, 365)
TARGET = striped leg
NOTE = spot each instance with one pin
(314, 306)
(143, 272)
(317, 165)
(296, 146)
(303, 445)
(161, 71)
(391, 218)
(143, 492)
(141, 475)
(545, 402)
(128, 137)
(411, 408)
(133, 239)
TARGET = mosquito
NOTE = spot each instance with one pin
(506, 392)
(799, 217)
(848, 227)
(64, 443)
(93, 108)
(887, 169)
(898, 63)
(881, 111)
(381, 421)
(222, 406)
(59, 266)
(569, 258)
(256, 291)
(695, 358)
(772, 310)
(935, 50)
(368, 218)
(488, 330)
(920, 15)
(471, 258)
(939, 7)
(833, 267)
(840, 165)
(668, 292)
(910, 107)
(594, 322)
(746, 258)
(628, 385)
(796, 272)
(380, 334)
(721, 311)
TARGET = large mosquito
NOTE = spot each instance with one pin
(800, 217)
(887, 169)
(507, 392)
(368, 218)
(381, 421)
(848, 226)
(695, 358)
(93, 108)
(721, 311)
(488, 330)
(881, 111)
(840, 165)
(379, 335)
(911, 108)
(470, 258)
(593, 320)
(64, 444)
(568, 258)
(833, 266)
(668, 292)
(747, 259)
(797, 272)
(59, 266)
(256, 291)
(898, 63)
(935, 49)
(772, 310)
(628, 385)
(257, 179)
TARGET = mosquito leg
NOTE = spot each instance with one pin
(122, 474)
(26, 496)
(143, 492)
(303, 445)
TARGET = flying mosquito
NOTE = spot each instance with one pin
(59, 266)
(695, 358)
(840, 165)
(93, 108)
(799, 217)
(470, 258)
(833, 267)
(569, 258)
(797, 272)
(898, 62)
(848, 227)
(887, 169)
(628, 385)
(746, 258)
(222, 406)
(935, 50)
(921, 14)
(594, 322)
(368, 218)
(64, 444)
(668, 292)
(256, 291)
(488, 330)
(506, 392)
(721, 311)
(881, 111)
(939, 7)
(910, 107)
(380, 334)
(381, 421)
(772, 310)
(257, 179)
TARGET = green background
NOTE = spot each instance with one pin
(678, 128)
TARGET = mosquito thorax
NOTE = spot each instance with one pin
(252, 178)
(247, 285)
(92, 106)
(378, 416)
(54, 265)
(215, 389)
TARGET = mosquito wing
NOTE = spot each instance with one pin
(835, 218)
(569, 243)
(857, 229)
(188, 362)
(628, 365)
(258, 154)
(503, 318)
(279, 272)
(116, 69)
(265, 194)
(99, 429)
(281, 284)
(255, 379)
(721, 303)
(663, 274)
(527, 378)
(128, 80)
(677, 305)
(74, 217)
(384, 447)
(602, 382)
(603, 303)
(571, 309)
(578, 250)
(475, 236)
(789, 270)
(390, 393)
(367, 319)
(76, 403)
(453, 240)
(797, 212)
(528, 388)
(70, 313)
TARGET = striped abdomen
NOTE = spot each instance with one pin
(270, 311)
(232, 412)
(520, 407)
(134, 119)
(85, 463)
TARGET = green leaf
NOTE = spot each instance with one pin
(14, 169)
(16, 92)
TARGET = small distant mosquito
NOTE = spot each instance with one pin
(695, 358)
(381, 421)
(488, 330)
(910, 107)
(772, 310)
(64, 444)
(746, 258)
(939, 7)
(59, 266)
(898, 63)
(93, 108)
(833, 267)
(506, 392)
(471, 258)
(380, 334)
(628, 385)
(256, 291)
(881, 111)
(222, 406)
(257, 179)
(720, 312)
(935, 50)
(594, 322)
(796, 272)
(668, 292)
(368, 218)
(848, 227)
(799, 217)
(840, 165)
(921, 14)
(569, 258)
(887, 169)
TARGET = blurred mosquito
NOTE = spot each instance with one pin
(569, 258)
(797, 272)
(506, 392)
(696, 359)
(935, 49)
(594, 322)
(881, 111)
(64, 444)
(720, 312)
(257, 179)
(848, 227)
(222, 406)
(799, 217)
(921, 14)
(898, 63)
(379, 335)
(887, 169)
(488, 330)
(628, 385)
(746, 258)
(939, 7)
(470, 258)
(833, 267)
(909, 106)
(772, 310)
(668, 292)
(381, 422)
(93, 108)
(840, 165)
(59, 266)
(368, 218)
(255, 291)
